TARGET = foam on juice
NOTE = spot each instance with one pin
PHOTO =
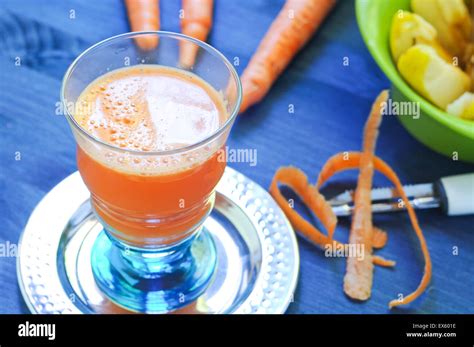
(150, 108)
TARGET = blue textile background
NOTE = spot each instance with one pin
(331, 102)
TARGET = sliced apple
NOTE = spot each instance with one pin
(431, 76)
(451, 20)
(463, 106)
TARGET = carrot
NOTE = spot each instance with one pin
(144, 15)
(289, 32)
(297, 180)
(196, 22)
(359, 272)
(351, 160)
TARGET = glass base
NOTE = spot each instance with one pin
(154, 281)
(257, 257)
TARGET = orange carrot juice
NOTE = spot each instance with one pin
(142, 111)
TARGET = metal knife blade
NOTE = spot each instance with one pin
(421, 196)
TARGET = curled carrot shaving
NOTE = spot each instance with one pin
(359, 272)
(392, 176)
(379, 237)
(350, 160)
(298, 182)
(378, 260)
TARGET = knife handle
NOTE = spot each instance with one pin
(456, 194)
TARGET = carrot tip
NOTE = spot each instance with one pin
(144, 15)
(189, 50)
(383, 262)
(187, 55)
(147, 43)
(394, 303)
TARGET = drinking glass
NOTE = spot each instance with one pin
(153, 255)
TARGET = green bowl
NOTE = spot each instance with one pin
(451, 136)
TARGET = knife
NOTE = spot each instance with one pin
(453, 194)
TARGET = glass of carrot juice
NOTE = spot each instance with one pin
(150, 134)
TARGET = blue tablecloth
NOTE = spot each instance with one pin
(331, 102)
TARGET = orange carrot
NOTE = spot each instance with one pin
(289, 32)
(359, 272)
(144, 15)
(196, 22)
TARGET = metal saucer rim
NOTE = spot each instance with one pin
(292, 241)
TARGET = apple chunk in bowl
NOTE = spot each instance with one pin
(434, 127)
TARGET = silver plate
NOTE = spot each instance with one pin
(258, 258)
